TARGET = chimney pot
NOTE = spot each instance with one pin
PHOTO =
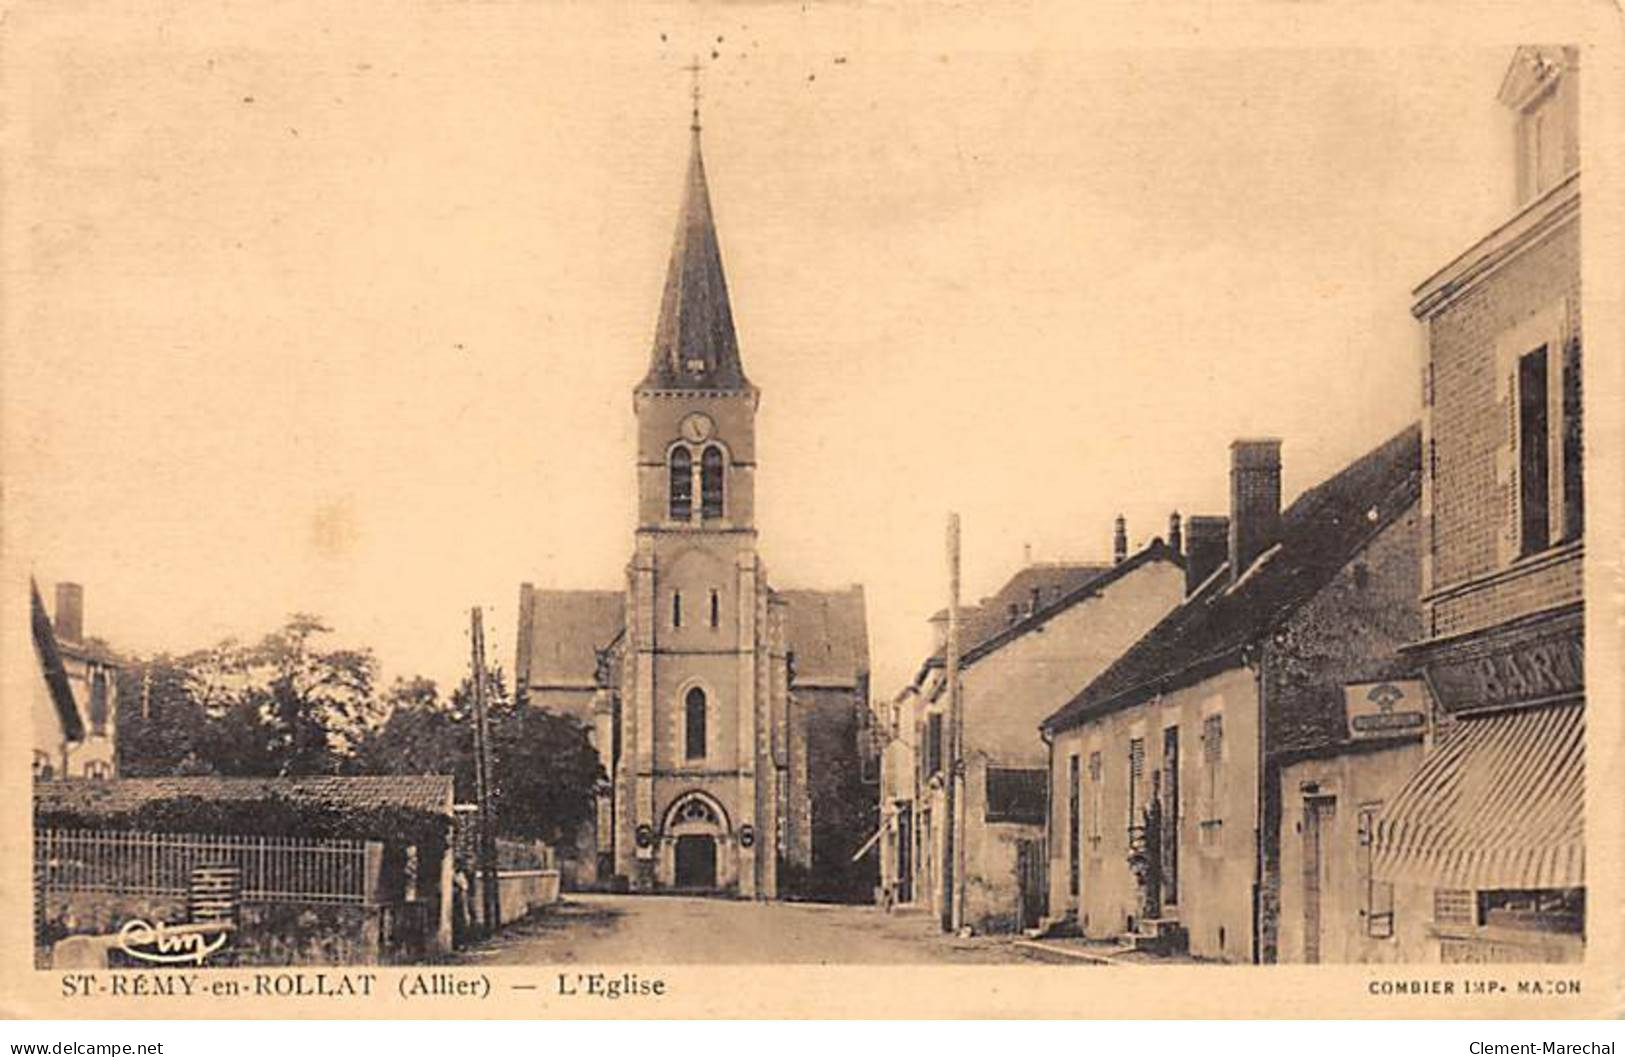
(1176, 538)
(1120, 540)
(1255, 501)
(70, 612)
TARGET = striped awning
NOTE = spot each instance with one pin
(1499, 804)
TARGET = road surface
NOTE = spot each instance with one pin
(593, 929)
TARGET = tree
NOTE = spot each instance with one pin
(546, 772)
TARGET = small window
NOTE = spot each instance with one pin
(677, 609)
(694, 725)
(716, 608)
(682, 484)
(711, 482)
(98, 769)
(42, 766)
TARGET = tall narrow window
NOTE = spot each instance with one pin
(98, 701)
(694, 725)
(933, 744)
(682, 484)
(716, 608)
(677, 609)
(711, 482)
(1534, 480)
(1573, 447)
(1074, 825)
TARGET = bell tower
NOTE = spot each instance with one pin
(696, 593)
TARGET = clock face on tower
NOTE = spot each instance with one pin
(696, 427)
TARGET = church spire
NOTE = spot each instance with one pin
(695, 346)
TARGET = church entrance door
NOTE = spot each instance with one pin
(696, 861)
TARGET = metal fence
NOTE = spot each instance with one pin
(274, 869)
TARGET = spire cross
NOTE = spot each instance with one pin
(693, 69)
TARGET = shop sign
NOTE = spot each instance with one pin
(1385, 710)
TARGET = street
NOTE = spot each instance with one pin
(653, 930)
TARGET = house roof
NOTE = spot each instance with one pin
(695, 346)
(428, 793)
(1051, 580)
(1320, 532)
(565, 629)
(829, 634)
(55, 675)
(991, 627)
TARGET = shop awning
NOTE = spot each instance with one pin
(1499, 804)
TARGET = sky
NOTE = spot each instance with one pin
(321, 313)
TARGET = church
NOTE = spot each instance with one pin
(731, 717)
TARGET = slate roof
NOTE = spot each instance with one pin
(564, 630)
(984, 634)
(428, 793)
(1320, 532)
(1052, 580)
(829, 633)
(53, 671)
(696, 321)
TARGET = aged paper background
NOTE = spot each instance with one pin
(264, 282)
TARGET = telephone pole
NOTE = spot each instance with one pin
(956, 743)
(484, 779)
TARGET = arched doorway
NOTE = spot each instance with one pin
(695, 831)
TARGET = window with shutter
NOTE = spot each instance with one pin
(1212, 769)
(1074, 825)
(1136, 775)
(1096, 797)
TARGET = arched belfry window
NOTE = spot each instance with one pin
(694, 724)
(711, 482)
(682, 484)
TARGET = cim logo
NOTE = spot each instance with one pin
(161, 944)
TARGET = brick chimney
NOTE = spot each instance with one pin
(1255, 501)
(70, 613)
(1176, 538)
(1119, 540)
(1207, 546)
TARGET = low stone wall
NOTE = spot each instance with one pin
(522, 891)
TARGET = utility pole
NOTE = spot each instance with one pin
(955, 835)
(484, 778)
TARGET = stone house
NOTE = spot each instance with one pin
(1027, 648)
(1169, 758)
(1489, 830)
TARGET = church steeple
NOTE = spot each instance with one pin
(695, 346)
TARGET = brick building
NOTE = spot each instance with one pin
(1026, 649)
(1492, 823)
(1170, 758)
(727, 714)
